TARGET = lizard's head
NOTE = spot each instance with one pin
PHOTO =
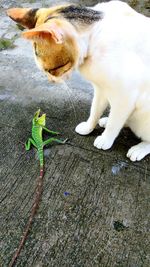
(39, 120)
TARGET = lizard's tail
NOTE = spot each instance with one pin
(34, 209)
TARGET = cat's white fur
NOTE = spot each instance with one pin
(115, 57)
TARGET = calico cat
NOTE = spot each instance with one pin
(110, 45)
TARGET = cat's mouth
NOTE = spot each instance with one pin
(60, 70)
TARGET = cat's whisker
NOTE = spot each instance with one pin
(66, 87)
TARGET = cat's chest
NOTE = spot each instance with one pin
(93, 69)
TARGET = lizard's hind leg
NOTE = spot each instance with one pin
(48, 141)
(28, 144)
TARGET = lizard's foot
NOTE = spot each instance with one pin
(27, 147)
(64, 141)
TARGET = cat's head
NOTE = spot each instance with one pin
(54, 40)
(54, 36)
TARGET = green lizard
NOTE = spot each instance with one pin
(38, 125)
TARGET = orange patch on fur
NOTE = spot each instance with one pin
(24, 16)
(17, 14)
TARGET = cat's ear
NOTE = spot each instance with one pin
(45, 30)
(27, 17)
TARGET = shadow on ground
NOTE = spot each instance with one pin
(95, 206)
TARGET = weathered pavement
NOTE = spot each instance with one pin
(103, 219)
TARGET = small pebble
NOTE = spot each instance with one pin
(66, 194)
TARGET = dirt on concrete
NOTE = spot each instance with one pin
(95, 207)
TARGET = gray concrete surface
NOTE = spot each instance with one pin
(104, 220)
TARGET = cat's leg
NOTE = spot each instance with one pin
(119, 113)
(139, 151)
(99, 104)
(139, 123)
(103, 122)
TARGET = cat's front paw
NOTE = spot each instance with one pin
(138, 152)
(102, 142)
(84, 128)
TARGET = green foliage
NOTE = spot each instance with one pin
(6, 44)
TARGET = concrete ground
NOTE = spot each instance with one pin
(94, 210)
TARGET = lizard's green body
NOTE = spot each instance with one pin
(38, 125)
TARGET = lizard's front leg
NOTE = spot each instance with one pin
(28, 144)
(49, 131)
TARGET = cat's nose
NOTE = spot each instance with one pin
(52, 80)
(67, 75)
